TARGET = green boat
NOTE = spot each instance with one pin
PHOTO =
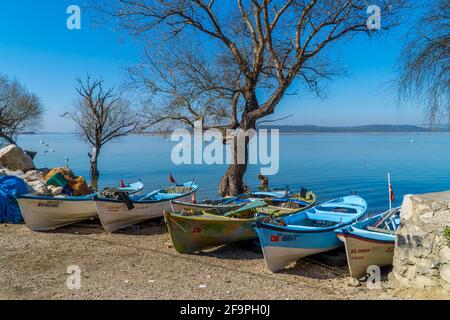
(193, 231)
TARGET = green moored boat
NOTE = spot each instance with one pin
(193, 231)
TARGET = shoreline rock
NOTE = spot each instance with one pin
(14, 158)
(422, 253)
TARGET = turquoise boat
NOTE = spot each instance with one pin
(285, 240)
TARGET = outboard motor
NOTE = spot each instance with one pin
(303, 193)
(116, 194)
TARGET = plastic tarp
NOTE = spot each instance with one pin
(10, 188)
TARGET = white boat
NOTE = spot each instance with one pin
(370, 242)
(44, 213)
(116, 214)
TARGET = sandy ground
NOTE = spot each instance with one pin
(139, 263)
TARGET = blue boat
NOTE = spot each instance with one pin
(370, 242)
(285, 240)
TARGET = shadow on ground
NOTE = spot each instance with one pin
(93, 226)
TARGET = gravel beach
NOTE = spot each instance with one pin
(140, 263)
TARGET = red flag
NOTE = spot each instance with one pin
(171, 179)
(391, 192)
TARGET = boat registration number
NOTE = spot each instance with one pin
(49, 204)
(285, 237)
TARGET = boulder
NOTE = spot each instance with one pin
(14, 158)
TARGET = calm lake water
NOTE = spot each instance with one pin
(332, 165)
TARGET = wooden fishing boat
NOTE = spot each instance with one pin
(116, 214)
(275, 198)
(370, 242)
(193, 231)
(285, 240)
(44, 213)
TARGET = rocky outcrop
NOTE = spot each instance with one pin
(422, 253)
(16, 162)
(14, 158)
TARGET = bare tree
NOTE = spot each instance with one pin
(101, 115)
(425, 62)
(229, 63)
(20, 110)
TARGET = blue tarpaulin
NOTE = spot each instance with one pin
(10, 188)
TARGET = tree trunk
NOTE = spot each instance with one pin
(232, 183)
(94, 173)
(7, 138)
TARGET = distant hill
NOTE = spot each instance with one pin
(356, 129)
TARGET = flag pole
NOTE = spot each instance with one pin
(389, 191)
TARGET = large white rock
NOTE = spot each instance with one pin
(14, 158)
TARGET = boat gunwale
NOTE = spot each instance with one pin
(194, 188)
(358, 237)
(200, 217)
(262, 225)
(206, 206)
(50, 198)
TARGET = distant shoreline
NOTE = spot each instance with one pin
(280, 133)
(312, 129)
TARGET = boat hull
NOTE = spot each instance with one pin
(115, 215)
(195, 234)
(283, 248)
(46, 214)
(363, 253)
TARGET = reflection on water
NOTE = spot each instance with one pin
(330, 164)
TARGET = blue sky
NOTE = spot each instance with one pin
(38, 49)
